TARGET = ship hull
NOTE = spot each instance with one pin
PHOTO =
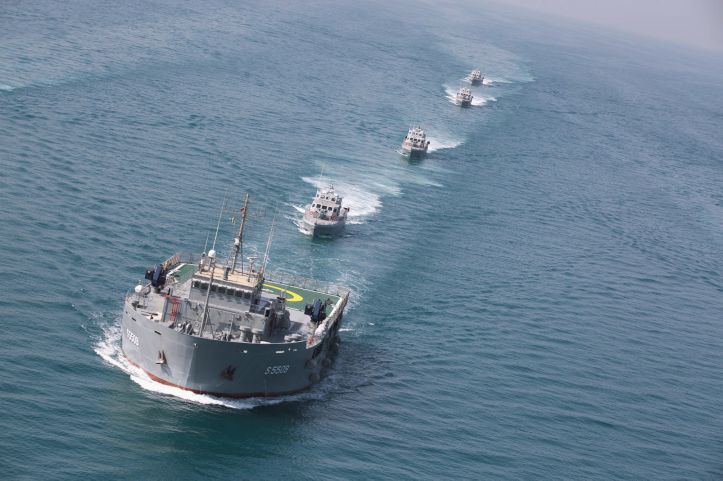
(323, 229)
(228, 369)
(413, 153)
(464, 103)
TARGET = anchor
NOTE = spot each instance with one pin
(228, 372)
(161, 358)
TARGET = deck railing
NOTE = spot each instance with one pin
(280, 277)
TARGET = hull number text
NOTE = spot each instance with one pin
(277, 369)
(131, 337)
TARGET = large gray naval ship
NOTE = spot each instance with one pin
(228, 329)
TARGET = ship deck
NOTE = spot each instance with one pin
(298, 297)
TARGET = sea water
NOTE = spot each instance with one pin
(540, 297)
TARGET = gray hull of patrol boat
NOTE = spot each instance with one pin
(414, 153)
(316, 227)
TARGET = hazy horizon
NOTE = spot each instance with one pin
(693, 23)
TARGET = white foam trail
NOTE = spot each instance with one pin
(451, 94)
(108, 348)
(6, 88)
(301, 228)
(298, 220)
(479, 100)
(299, 223)
(362, 203)
(487, 81)
(436, 143)
(495, 80)
(150, 385)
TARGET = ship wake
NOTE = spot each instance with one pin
(362, 203)
(298, 219)
(478, 100)
(495, 80)
(440, 143)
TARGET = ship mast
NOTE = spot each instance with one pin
(268, 246)
(212, 260)
(212, 256)
(238, 241)
(218, 224)
(321, 180)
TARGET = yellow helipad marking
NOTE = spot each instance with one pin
(294, 296)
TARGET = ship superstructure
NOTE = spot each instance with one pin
(228, 329)
(476, 77)
(464, 97)
(325, 215)
(415, 144)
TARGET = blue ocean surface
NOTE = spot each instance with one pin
(539, 298)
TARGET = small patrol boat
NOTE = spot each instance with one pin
(325, 215)
(415, 144)
(219, 327)
(464, 97)
(476, 77)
